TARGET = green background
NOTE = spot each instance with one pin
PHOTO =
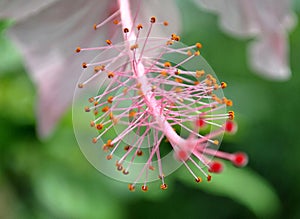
(52, 179)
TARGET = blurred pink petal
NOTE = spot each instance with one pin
(11, 8)
(47, 41)
(269, 55)
(48, 37)
(269, 21)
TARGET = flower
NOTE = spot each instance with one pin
(46, 33)
(153, 104)
(267, 21)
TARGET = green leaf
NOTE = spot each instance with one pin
(242, 185)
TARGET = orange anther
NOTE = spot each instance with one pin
(110, 74)
(110, 99)
(78, 49)
(199, 45)
(108, 42)
(84, 65)
(105, 109)
(131, 187)
(167, 64)
(145, 188)
(99, 126)
(139, 26)
(153, 19)
(223, 85)
(163, 186)
(198, 180)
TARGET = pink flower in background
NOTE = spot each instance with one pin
(268, 21)
(46, 32)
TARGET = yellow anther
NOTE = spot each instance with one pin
(116, 22)
(189, 53)
(87, 109)
(223, 85)
(166, 23)
(99, 68)
(92, 123)
(216, 142)
(199, 73)
(178, 89)
(197, 53)
(175, 37)
(231, 115)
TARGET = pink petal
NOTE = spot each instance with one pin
(269, 20)
(269, 56)
(11, 8)
(47, 41)
(246, 18)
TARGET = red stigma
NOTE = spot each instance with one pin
(240, 159)
(215, 167)
(200, 123)
(230, 126)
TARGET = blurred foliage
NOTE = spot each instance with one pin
(52, 179)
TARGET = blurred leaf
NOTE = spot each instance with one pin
(242, 185)
(66, 195)
(10, 58)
